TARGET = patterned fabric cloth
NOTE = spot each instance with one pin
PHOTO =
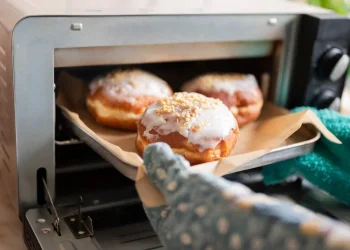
(208, 213)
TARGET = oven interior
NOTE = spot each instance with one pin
(80, 169)
(109, 198)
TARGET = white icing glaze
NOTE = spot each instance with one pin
(214, 123)
(127, 85)
(228, 83)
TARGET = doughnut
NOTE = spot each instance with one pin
(239, 92)
(200, 128)
(119, 99)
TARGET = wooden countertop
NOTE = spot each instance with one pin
(11, 230)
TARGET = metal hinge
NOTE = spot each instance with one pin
(80, 225)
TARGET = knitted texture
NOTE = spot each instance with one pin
(328, 166)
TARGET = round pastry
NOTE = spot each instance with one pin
(119, 99)
(200, 128)
(239, 92)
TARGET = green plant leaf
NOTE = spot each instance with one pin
(315, 2)
(338, 6)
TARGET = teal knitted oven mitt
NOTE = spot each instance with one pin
(328, 166)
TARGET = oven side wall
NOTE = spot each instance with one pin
(34, 105)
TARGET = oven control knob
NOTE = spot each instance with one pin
(324, 99)
(333, 64)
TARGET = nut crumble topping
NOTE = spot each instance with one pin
(186, 107)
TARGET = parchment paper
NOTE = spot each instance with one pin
(275, 127)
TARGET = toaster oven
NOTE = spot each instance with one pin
(66, 194)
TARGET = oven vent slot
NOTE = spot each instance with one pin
(40, 176)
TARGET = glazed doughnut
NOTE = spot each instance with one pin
(200, 128)
(119, 99)
(239, 92)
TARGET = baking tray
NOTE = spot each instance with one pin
(307, 136)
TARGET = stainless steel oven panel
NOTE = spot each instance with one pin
(39, 234)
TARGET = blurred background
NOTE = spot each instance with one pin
(339, 6)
